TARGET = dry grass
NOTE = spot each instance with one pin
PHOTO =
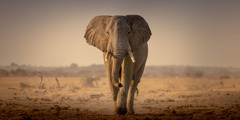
(159, 98)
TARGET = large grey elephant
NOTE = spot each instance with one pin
(123, 41)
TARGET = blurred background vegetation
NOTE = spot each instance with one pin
(98, 71)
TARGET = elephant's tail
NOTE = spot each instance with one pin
(137, 91)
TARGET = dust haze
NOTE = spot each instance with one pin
(73, 92)
(51, 33)
(48, 71)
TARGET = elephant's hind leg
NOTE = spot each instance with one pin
(131, 93)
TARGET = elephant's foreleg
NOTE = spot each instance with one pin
(114, 90)
(131, 95)
(136, 79)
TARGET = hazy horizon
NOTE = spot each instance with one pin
(51, 33)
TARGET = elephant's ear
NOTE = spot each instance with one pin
(95, 33)
(140, 31)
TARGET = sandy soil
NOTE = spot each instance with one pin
(159, 98)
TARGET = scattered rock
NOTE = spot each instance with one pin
(170, 100)
(35, 110)
(174, 112)
(147, 118)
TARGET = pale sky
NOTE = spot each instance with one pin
(186, 32)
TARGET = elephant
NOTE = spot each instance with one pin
(123, 41)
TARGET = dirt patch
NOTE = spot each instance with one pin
(58, 112)
(22, 98)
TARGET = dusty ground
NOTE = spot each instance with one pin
(159, 98)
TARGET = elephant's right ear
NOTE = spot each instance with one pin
(95, 33)
(140, 31)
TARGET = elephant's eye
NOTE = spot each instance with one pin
(129, 33)
(107, 32)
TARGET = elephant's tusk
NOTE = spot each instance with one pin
(106, 58)
(131, 56)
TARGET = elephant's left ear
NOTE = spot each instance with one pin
(140, 31)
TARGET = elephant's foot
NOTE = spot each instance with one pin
(121, 110)
(130, 112)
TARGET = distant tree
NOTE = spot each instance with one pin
(19, 72)
(14, 64)
(74, 66)
(193, 72)
(4, 73)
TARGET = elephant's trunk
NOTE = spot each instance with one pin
(117, 63)
(119, 51)
(115, 71)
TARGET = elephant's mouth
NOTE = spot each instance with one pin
(129, 52)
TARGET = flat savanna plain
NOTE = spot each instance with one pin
(81, 98)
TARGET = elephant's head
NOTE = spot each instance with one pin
(118, 36)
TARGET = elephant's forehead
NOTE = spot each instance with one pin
(118, 21)
(118, 17)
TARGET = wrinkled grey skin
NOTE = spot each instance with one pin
(117, 35)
